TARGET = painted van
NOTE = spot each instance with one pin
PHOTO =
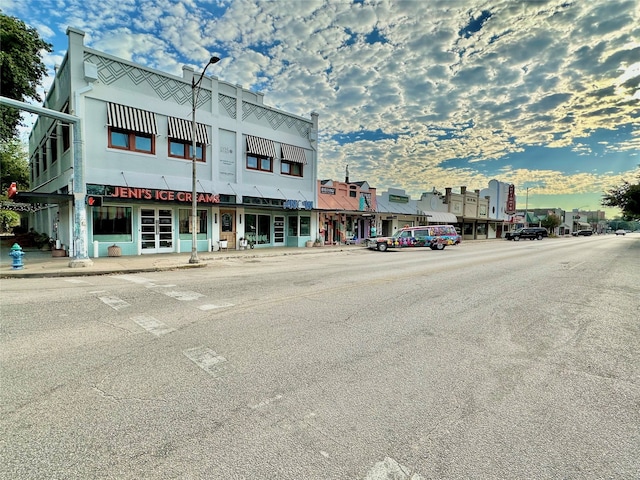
(434, 236)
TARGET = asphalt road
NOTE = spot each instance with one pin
(488, 360)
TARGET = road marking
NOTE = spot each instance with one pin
(152, 325)
(75, 280)
(389, 469)
(205, 358)
(212, 307)
(135, 279)
(183, 296)
(115, 303)
(266, 402)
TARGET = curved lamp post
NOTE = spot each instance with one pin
(195, 90)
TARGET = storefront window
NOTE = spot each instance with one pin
(305, 226)
(468, 228)
(481, 229)
(184, 216)
(112, 224)
(258, 228)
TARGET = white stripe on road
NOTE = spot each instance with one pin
(115, 302)
(389, 469)
(152, 325)
(75, 280)
(205, 358)
(183, 296)
(212, 307)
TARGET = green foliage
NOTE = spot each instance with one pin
(14, 166)
(8, 220)
(21, 69)
(550, 222)
(626, 197)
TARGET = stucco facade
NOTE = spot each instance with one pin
(256, 165)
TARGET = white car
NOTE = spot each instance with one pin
(620, 232)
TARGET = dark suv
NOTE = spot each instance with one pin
(530, 232)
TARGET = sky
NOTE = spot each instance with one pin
(411, 94)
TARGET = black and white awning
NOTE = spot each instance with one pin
(133, 119)
(261, 146)
(181, 129)
(291, 153)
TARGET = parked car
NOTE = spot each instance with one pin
(620, 232)
(434, 236)
(531, 233)
(584, 233)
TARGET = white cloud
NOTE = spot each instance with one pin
(535, 74)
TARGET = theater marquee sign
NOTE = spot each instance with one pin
(111, 192)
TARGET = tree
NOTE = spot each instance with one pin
(626, 197)
(8, 220)
(551, 222)
(21, 69)
(14, 166)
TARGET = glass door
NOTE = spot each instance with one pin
(278, 230)
(156, 230)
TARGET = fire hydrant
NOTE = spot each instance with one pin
(17, 254)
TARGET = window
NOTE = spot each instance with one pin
(43, 158)
(263, 164)
(131, 129)
(184, 219)
(180, 133)
(66, 132)
(258, 228)
(112, 224)
(134, 141)
(54, 149)
(291, 168)
(305, 226)
(184, 149)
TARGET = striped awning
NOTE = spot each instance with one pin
(181, 129)
(292, 153)
(129, 118)
(261, 146)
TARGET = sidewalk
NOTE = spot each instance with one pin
(39, 264)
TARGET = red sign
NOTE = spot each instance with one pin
(511, 201)
(161, 195)
(12, 190)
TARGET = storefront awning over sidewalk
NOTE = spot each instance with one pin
(440, 217)
(38, 197)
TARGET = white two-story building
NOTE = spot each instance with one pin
(256, 175)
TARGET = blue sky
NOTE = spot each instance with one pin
(411, 94)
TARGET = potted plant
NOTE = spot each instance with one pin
(318, 242)
(243, 243)
(114, 251)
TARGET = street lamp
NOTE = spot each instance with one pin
(195, 90)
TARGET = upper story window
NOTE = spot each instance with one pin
(290, 168)
(260, 154)
(255, 162)
(181, 139)
(131, 128)
(293, 160)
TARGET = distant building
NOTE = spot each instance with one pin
(346, 211)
